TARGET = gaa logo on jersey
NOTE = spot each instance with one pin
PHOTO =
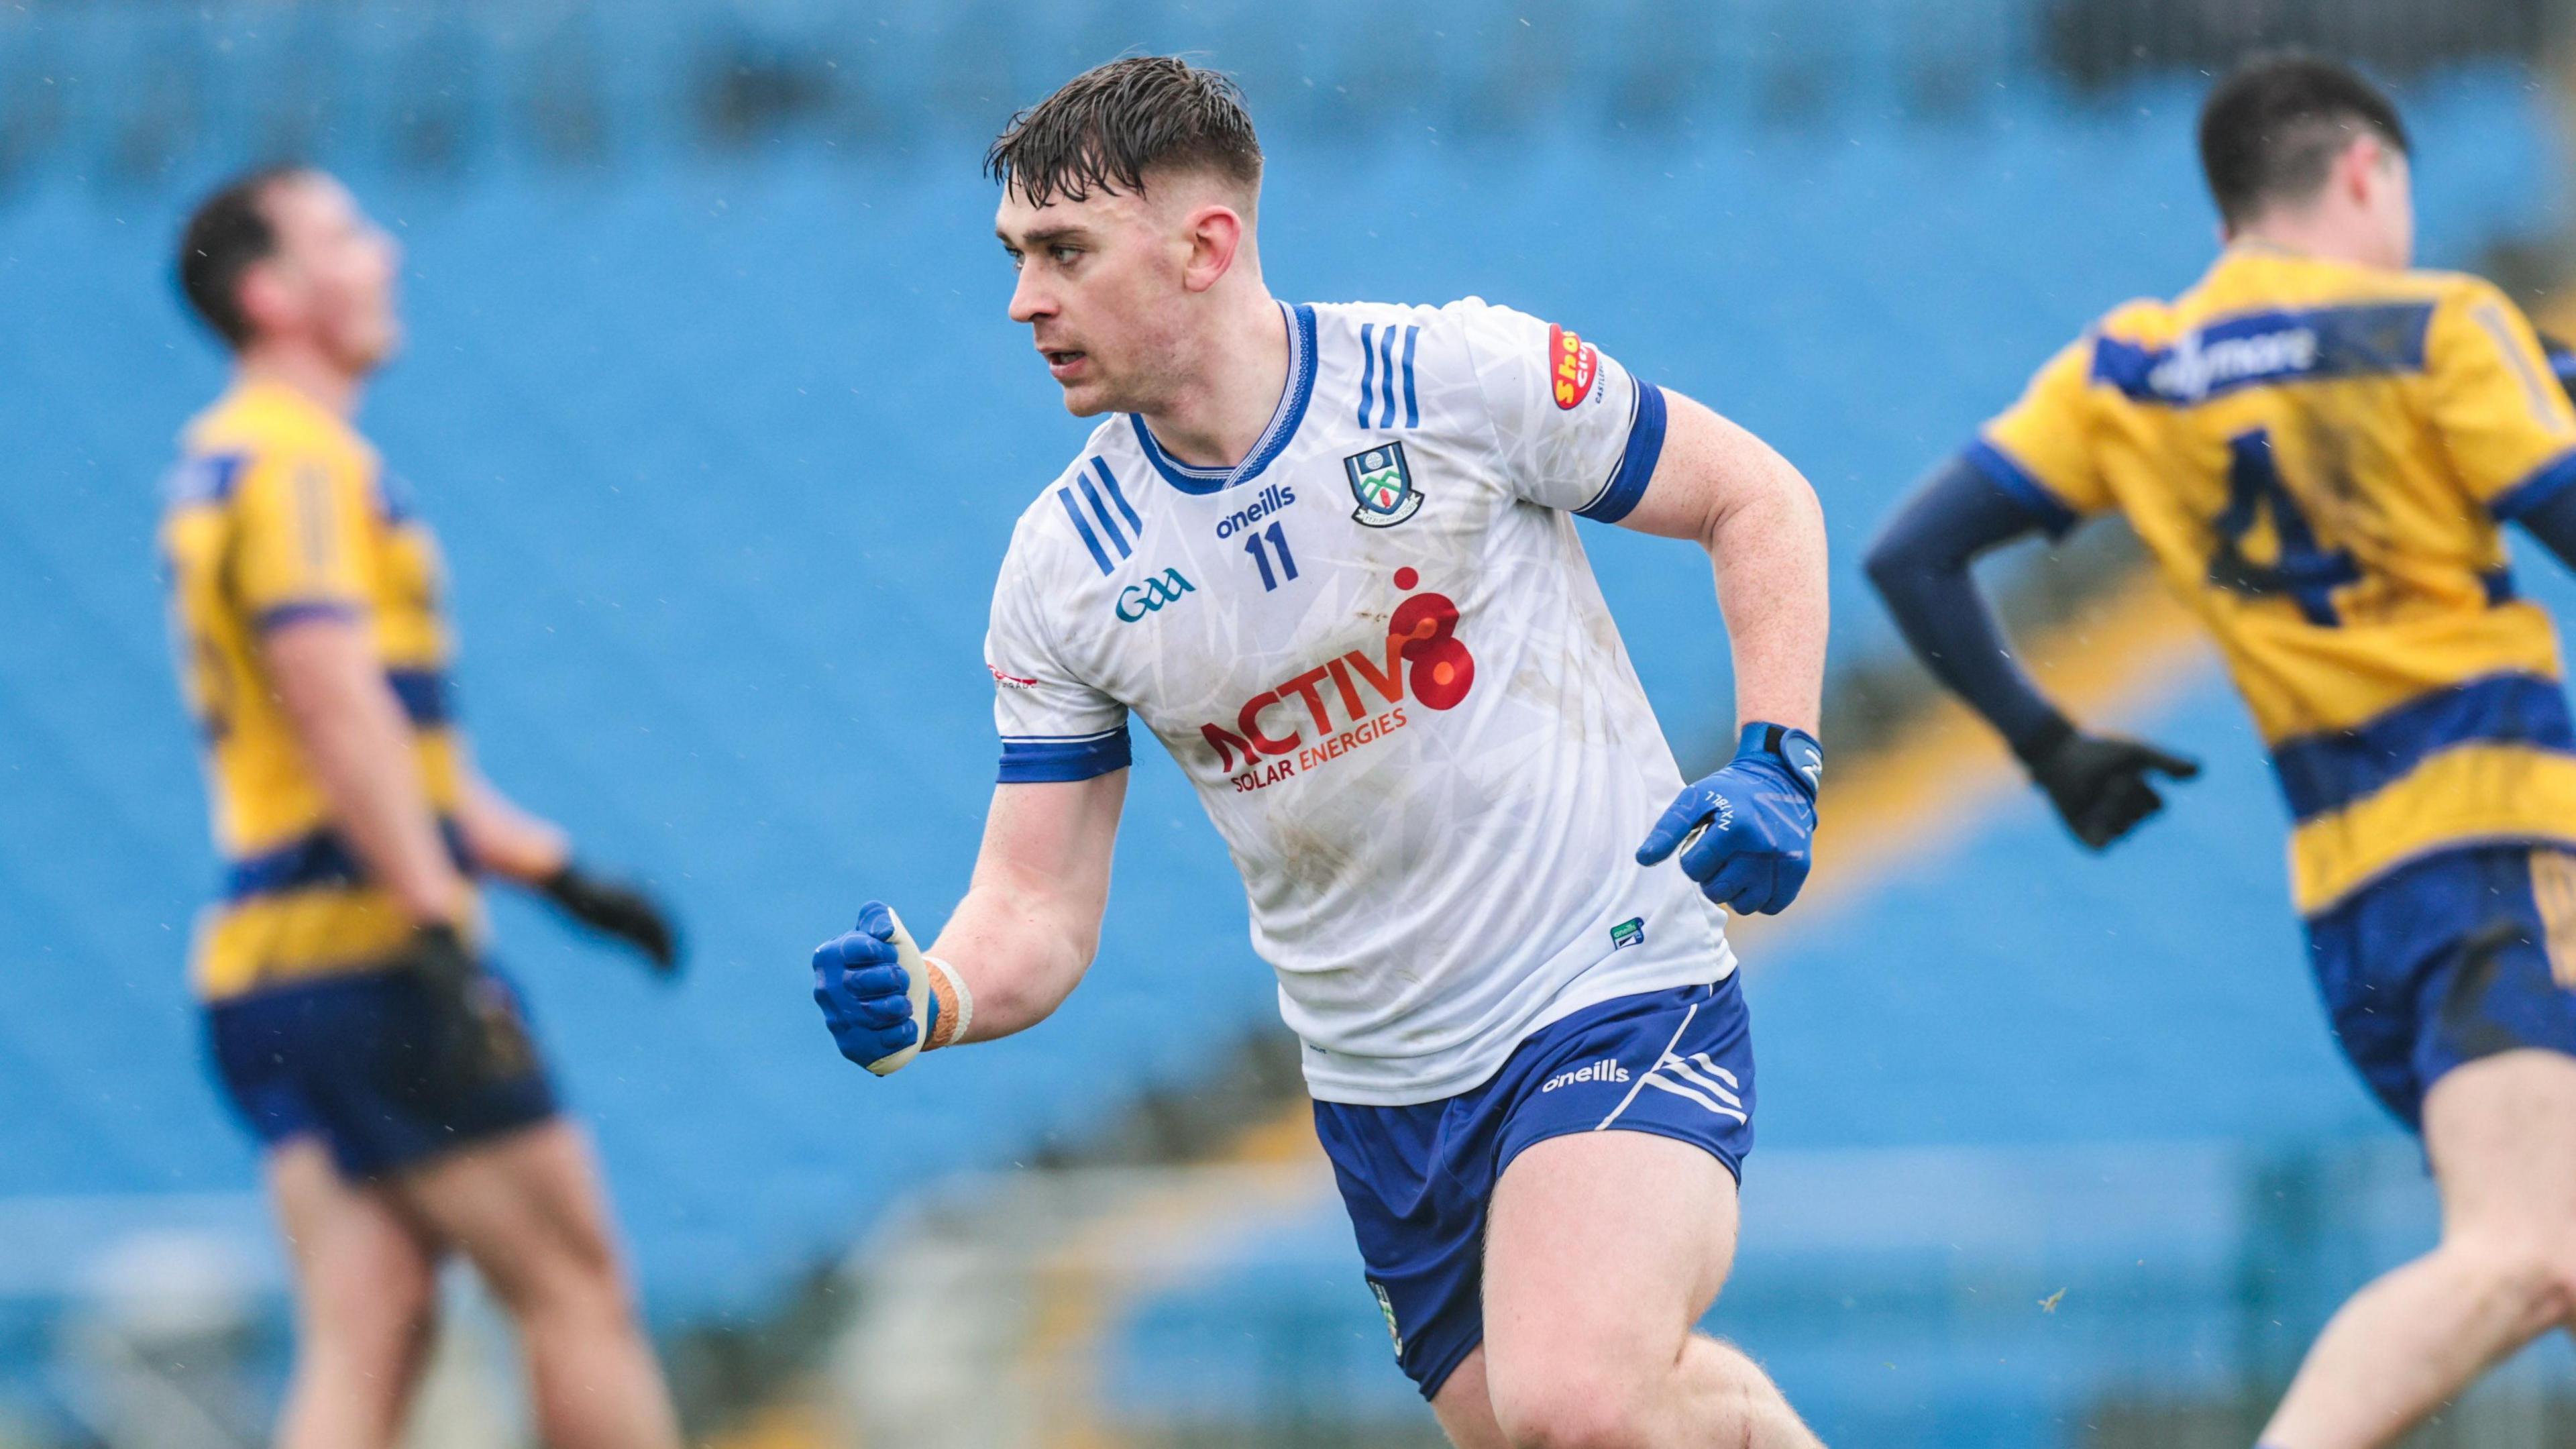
(1383, 485)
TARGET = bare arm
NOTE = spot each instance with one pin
(1765, 536)
(355, 738)
(1031, 918)
(506, 840)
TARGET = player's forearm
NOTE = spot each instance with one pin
(1020, 952)
(507, 841)
(1920, 565)
(354, 738)
(1766, 539)
(1030, 922)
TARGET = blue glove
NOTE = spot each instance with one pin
(862, 990)
(1744, 833)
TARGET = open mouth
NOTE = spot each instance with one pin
(1063, 362)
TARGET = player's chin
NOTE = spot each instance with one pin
(1088, 399)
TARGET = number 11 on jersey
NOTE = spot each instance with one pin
(1276, 537)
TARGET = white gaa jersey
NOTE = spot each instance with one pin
(1376, 647)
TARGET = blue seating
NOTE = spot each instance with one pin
(725, 459)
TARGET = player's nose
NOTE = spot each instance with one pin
(1029, 300)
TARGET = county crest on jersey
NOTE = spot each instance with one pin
(1377, 650)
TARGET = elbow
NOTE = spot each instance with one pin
(1888, 564)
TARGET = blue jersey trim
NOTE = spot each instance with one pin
(318, 858)
(1412, 409)
(1109, 481)
(1049, 762)
(295, 610)
(1100, 510)
(1386, 370)
(1636, 462)
(2008, 474)
(204, 480)
(424, 696)
(2323, 773)
(2264, 349)
(2537, 487)
(1368, 370)
(1284, 420)
(1090, 540)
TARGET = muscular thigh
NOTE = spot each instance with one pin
(2501, 1135)
(356, 1253)
(523, 1207)
(1603, 1249)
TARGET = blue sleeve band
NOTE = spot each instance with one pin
(2542, 484)
(1050, 762)
(297, 610)
(1637, 464)
(2013, 478)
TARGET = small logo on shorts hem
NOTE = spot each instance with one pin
(1630, 932)
(1386, 1306)
(1605, 1070)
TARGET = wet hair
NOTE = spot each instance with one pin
(1107, 127)
(226, 236)
(2271, 130)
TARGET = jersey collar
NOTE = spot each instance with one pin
(1274, 438)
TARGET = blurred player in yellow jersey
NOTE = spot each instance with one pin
(353, 1021)
(2319, 446)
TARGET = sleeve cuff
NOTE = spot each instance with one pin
(2026, 490)
(297, 610)
(1636, 463)
(2538, 487)
(1056, 761)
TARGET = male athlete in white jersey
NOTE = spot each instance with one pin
(1327, 555)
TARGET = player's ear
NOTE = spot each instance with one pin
(267, 300)
(1215, 236)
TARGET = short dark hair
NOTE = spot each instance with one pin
(1108, 126)
(227, 235)
(2271, 129)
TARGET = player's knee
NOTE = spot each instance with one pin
(376, 1328)
(1565, 1407)
(2533, 1277)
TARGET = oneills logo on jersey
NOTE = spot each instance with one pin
(1572, 364)
(1383, 484)
(1352, 701)
(1137, 600)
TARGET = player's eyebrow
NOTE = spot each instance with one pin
(1042, 236)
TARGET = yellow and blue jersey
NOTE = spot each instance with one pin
(278, 510)
(2319, 456)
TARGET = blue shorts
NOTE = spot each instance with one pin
(351, 1059)
(2448, 959)
(1417, 1179)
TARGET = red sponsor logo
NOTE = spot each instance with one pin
(1572, 364)
(1350, 701)
(1010, 681)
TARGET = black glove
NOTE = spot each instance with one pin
(2099, 783)
(613, 908)
(473, 1034)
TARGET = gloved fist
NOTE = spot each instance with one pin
(2099, 783)
(1745, 833)
(613, 908)
(869, 998)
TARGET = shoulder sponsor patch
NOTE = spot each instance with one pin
(1572, 364)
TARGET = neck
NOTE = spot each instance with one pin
(2308, 234)
(304, 370)
(1232, 386)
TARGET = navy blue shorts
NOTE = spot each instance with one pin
(352, 1059)
(2451, 958)
(1417, 1179)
